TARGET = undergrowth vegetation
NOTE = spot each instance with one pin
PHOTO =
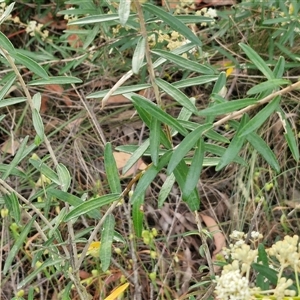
(149, 150)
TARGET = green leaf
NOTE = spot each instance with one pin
(95, 19)
(234, 147)
(195, 169)
(176, 94)
(30, 64)
(193, 200)
(37, 101)
(57, 221)
(12, 254)
(158, 113)
(194, 81)
(289, 135)
(138, 216)
(72, 200)
(111, 170)
(45, 170)
(279, 67)
(185, 146)
(124, 11)
(56, 80)
(138, 55)
(165, 190)
(91, 205)
(149, 176)
(266, 271)
(63, 176)
(173, 22)
(136, 155)
(267, 85)
(227, 107)
(263, 148)
(263, 259)
(260, 117)
(13, 205)
(154, 140)
(38, 124)
(6, 43)
(16, 160)
(218, 150)
(10, 79)
(12, 101)
(184, 115)
(257, 61)
(48, 263)
(120, 90)
(184, 63)
(7, 12)
(220, 83)
(107, 236)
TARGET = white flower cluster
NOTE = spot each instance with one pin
(233, 284)
(33, 27)
(207, 12)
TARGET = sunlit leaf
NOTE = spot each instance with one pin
(117, 292)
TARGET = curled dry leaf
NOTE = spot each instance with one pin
(10, 146)
(219, 238)
(121, 159)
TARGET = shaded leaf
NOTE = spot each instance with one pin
(138, 216)
(260, 117)
(267, 85)
(165, 190)
(56, 80)
(107, 236)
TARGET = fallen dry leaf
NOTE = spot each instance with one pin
(219, 238)
(10, 146)
(121, 159)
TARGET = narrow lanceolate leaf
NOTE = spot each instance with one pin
(107, 236)
(72, 200)
(10, 79)
(185, 146)
(227, 107)
(119, 91)
(186, 64)
(289, 135)
(7, 12)
(30, 64)
(195, 169)
(48, 263)
(56, 80)
(262, 147)
(176, 94)
(95, 19)
(124, 11)
(17, 245)
(138, 55)
(260, 118)
(234, 147)
(91, 205)
(257, 61)
(64, 176)
(12, 101)
(193, 200)
(165, 190)
(138, 216)
(173, 22)
(220, 83)
(18, 157)
(195, 81)
(267, 85)
(6, 44)
(158, 113)
(38, 124)
(136, 155)
(13, 205)
(37, 101)
(154, 140)
(279, 67)
(111, 170)
(149, 176)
